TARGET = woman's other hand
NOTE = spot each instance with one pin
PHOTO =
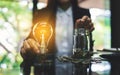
(85, 22)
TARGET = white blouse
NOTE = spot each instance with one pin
(64, 31)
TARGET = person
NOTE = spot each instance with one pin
(62, 15)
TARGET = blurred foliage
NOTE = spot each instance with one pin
(15, 23)
(102, 33)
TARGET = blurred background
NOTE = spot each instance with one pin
(16, 21)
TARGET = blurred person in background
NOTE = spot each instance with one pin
(62, 15)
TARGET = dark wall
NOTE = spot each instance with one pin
(115, 23)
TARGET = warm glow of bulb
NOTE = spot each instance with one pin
(42, 33)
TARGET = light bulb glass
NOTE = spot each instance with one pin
(42, 33)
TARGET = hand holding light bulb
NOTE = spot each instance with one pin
(42, 33)
(30, 48)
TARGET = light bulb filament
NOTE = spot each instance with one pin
(43, 45)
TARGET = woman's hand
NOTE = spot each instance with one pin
(85, 22)
(29, 49)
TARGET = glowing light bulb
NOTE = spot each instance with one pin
(42, 33)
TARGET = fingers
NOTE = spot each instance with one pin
(79, 23)
(34, 45)
(25, 47)
(30, 46)
(91, 28)
(84, 22)
(85, 17)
